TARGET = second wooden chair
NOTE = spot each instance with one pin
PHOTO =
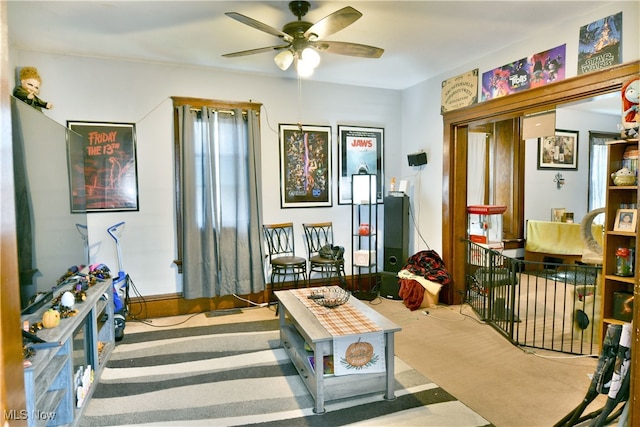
(318, 235)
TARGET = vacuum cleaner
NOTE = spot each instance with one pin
(120, 285)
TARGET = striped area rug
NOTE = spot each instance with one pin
(230, 375)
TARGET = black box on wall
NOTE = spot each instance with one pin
(417, 159)
(623, 306)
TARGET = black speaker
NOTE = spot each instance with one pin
(417, 159)
(394, 259)
(389, 286)
(396, 232)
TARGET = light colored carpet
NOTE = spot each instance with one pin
(507, 386)
(236, 374)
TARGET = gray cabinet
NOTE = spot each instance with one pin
(300, 330)
(53, 380)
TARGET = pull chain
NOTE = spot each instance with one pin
(299, 102)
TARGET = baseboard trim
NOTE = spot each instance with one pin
(164, 305)
(174, 304)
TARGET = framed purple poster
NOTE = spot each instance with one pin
(305, 166)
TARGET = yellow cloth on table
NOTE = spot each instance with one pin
(560, 238)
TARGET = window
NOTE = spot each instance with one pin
(598, 168)
(217, 181)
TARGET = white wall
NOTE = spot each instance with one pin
(541, 192)
(118, 91)
(422, 126)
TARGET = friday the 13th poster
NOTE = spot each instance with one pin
(103, 167)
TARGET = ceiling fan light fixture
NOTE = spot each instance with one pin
(311, 57)
(284, 59)
(304, 68)
(304, 39)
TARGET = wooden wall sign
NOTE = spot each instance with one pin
(459, 91)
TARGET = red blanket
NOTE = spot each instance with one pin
(429, 265)
(412, 293)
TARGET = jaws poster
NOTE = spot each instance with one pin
(361, 152)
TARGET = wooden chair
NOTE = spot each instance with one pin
(284, 264)
(318, 235)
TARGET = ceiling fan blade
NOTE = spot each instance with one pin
(350, 49)
(254, 51)
(259, 25)
(333, 23)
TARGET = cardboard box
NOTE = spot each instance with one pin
(429, 300)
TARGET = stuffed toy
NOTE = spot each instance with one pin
(630, 113)
(29, 88)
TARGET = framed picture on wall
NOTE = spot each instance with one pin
(305, 166)
(361, 151)
(559, 151)
(626, 220)
(103, 167)
(557, 214)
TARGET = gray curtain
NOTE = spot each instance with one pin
(221, 197)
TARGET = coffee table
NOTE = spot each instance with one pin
(299, 325)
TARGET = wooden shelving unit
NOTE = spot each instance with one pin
(615, 197)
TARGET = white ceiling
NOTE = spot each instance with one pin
(421, 39)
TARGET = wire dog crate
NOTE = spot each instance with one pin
(542, 305)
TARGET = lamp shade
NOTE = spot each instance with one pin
(364, 189)
(307, 61)
(284, 59)
(311, 57)
(304, 68)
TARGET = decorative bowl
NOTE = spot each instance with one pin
(330, 297)
(621, 180)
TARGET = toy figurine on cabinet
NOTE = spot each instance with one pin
(29, 88)
(630, 112)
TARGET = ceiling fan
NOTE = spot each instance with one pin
(303, 40)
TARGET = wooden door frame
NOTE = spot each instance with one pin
(454, 192)
(11, 372)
